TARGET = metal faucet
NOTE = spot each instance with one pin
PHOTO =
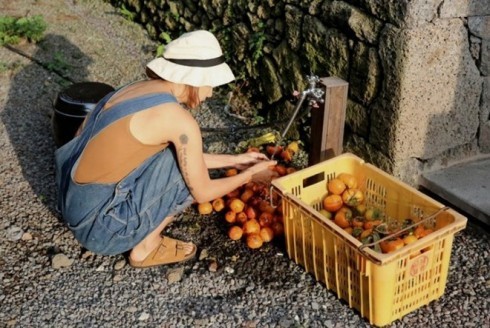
(314, 95)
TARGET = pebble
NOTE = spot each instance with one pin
(203, 255)
(229, 270)
(119, 265)
(143, 316)
(117, 278)
(61, 261)
(26, 236)
(213, 266)
(175, 275)
(14, 233)
(87, 254)
(132, 309)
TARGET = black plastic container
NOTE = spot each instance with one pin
(72, 105)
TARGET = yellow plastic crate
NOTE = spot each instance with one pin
(382, 287)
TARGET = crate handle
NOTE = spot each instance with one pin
(363, 246)
(271, 200)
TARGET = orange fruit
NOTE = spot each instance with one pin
(265, 219)
(332, 203)
(409, 239)
(348, 230)
(336, 186)
(341, 220)
(205, 208)
(371, 224)
(349, 180)
(287, 156)
(233, 194)
(267, 234)
(365, 233)
(326, 213)
(231, 172)
(352, 197)
(254, 240)
(246, 194)
(230, 217)
(281, 169)
(388, 246)
(251, 226)
(236, 205)
(241, 218)
(419, 231)
(218, 204)
(373, 213)
(251, 212)
(235, 233)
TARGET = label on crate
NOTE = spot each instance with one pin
(419, 262)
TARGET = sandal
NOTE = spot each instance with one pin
(167, 252)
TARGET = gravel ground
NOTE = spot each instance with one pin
(47, 279)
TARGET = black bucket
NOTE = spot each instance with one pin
(72, 105)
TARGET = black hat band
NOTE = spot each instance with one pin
(198, 62)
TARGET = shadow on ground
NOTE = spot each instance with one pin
(28, 109)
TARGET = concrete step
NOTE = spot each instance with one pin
(465, 186)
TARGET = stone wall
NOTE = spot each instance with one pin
(418, 70)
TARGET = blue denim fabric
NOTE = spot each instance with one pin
(110, 219)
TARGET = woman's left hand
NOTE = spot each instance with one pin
(246, 160)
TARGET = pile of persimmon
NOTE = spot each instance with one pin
(247, 211)
(345, 205)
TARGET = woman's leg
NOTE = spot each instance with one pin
(152, 241)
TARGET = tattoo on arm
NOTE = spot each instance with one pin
(184, 139)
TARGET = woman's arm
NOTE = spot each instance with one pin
(181, 129)
(216, 161)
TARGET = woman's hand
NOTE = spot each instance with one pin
(245, 160)
(262, 171)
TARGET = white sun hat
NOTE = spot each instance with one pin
(195, 59)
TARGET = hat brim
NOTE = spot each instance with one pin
(195, 76)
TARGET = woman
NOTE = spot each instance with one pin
(138, 158)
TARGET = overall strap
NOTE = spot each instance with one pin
(129, 107)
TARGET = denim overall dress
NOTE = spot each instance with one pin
(112, 218)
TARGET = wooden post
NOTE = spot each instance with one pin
(327, 123)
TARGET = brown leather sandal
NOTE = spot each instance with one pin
(167, 252)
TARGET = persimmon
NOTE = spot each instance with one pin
(237, 205)
(235, 232)
(371, 224)
(278, 218)
(267, 234)
(230, 217)
(349, 180)
(293, 147)
(336, 186)
(231, 172)
(280, 169)
(205, 208)
(352, 197)
(265, 206)
(251, 226)
(409, 239)
(373, 213)
(349, 230)
(241, 218)
(251, 212)
(347, 211)
(341, 220)
(287, 156)
(218, 204)
(246, 194)
(290, 170)
(332, 203)
(391, 245)
(357, 223)
(326, 213)
(273, 150)
(360, 209)
(254, 240)
(365, 233)
(265, 219)
(419, 231)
